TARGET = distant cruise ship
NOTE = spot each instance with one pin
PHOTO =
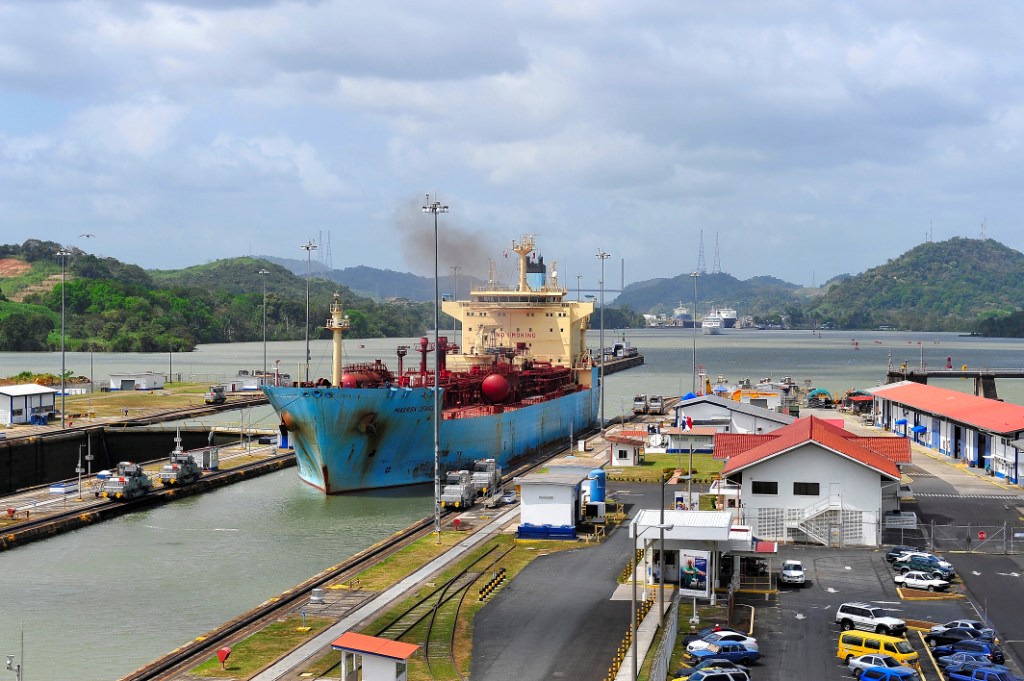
(712, 323)
(728, 316)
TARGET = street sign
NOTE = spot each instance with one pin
(981, 535)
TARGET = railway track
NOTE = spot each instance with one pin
(203, 648)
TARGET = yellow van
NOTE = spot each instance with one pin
(856, 643)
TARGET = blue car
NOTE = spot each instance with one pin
(963, 656)
(992, 651)
(729, 650)
(890, 674)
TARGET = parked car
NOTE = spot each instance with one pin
(792, 572)
(857, 665)
(986, 631)
(977, 645)
(684, 673)
(730, 650)
(966, 668)
(930, 557)
(895, 552)
(930, 565)
(508, 497)
(722, 637)
(915, 579)
(983, 674)
(890, 674)
(941, 638)
(715, 674)
(870, 618)
(856, 643)
(963, 657)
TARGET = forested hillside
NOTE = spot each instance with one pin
(112, 306)
(952, 285)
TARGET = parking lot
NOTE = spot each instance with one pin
(797, 631)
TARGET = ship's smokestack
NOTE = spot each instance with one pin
(442, 349)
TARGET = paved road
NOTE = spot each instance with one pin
(556, 619)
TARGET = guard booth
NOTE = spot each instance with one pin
(379, 659)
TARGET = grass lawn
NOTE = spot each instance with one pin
(655, 465)
(449, 615)
(262, 648)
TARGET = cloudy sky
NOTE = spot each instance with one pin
(805, 139)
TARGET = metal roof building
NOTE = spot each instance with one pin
(978, 430)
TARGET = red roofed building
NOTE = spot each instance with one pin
(813, 481)
(963, 426)
(380, 659)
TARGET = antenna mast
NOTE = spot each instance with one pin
(700, 258)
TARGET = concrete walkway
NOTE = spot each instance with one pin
(302, 655)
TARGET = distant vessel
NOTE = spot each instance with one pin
(681, 316)
(728, 316)
(711, 325)
(521, 378)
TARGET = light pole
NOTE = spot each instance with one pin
(455, 296)
(693, 387)
(435, 208)
(602, 256)
(63, 253)
(578, 277)
(637, 531)
(263, 275)
(310, 247)
(16, 668)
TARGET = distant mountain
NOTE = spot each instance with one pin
(948, 285)
(758, 296)
(385, 284)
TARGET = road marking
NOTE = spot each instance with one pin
(1008, 574)
(999, 497)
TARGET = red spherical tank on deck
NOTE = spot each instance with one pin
(495, 388)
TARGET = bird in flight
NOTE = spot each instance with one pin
(87, 236)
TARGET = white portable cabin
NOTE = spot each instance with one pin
(626, 448)
(19, 403)
(137, 380)
(551, 498)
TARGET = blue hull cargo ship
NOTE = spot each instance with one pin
(521, 379)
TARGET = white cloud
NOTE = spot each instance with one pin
(143, 127)
(799, 122)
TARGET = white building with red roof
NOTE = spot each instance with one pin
(813, 481)
(976, 429)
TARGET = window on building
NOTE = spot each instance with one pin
(810, 489)
(763, 487)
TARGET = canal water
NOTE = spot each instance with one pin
(99, 602)
(102, 601)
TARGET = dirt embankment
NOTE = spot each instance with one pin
(10, 267)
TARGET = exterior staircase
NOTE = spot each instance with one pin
(813, 520)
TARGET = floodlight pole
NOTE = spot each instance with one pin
(310, 247)
(63, 253)
(693, 387)
(602, 256)
(578, 277)
(435, 208)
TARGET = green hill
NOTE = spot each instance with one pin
(937, 286)
(112, 306)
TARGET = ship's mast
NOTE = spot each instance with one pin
(523, 248)
(338, 324)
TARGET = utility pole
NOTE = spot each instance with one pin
(602, 256)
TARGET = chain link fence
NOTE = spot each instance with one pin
(663, 658)
(976, 538)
